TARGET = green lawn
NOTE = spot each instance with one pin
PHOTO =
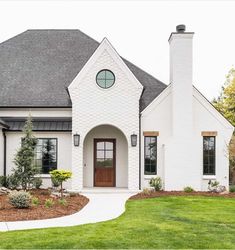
(166, 222)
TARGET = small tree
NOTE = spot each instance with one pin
(60, 176)
(225, 103)
(25, 170)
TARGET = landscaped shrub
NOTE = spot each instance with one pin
(11, 182)
(35, 201)
(213, 186)
(20, 199)
(25, 169)
(147, 191)
(49, 203)
(55, 182)
(61, 176)
(37, 182)
(232, 189)
(188, 189)
(2, 181)
(156, 183)
(62, 202)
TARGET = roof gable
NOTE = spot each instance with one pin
(37, 66)
(106, 46)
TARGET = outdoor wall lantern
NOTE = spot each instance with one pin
(76, 140)
(133, 140)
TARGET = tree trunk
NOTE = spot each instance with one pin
(61, 189)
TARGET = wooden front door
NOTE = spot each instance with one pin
(104, 162)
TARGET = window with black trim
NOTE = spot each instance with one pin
(209, 155)
(105, 78)
(150, 155)
(46, 155)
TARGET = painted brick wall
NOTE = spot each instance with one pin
(117, 106)
(1, 152)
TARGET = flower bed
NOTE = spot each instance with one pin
(70, 205)
(153, 194)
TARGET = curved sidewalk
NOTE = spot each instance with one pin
(101, 207)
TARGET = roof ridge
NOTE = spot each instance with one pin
(52, 29)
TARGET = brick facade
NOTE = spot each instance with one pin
(117, 106)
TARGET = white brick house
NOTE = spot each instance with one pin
(130, 126)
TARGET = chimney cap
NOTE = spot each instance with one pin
(180, 28)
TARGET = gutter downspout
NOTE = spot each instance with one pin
(4, 152)
(139, 151)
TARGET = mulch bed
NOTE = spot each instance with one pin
(178, 193)
(9, 213)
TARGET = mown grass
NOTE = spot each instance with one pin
(166, 222)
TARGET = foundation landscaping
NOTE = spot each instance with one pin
(153, 218)
(20, 195)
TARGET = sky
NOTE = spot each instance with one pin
(139, 31)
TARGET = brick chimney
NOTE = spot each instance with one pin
(181, 78)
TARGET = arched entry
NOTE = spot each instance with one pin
(105, 158)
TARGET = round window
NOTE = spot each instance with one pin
(105, 78)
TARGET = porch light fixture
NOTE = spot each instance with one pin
(133, 140)
(76, 140)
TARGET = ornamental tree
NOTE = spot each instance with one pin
(225, 103)
(25, 169)
(60, 176)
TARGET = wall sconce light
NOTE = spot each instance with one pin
(133, 140)
(76, 140)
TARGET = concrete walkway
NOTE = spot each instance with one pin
(101, 207)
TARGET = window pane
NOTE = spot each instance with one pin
(109, 75)
(108, 145)
(147, 169)
(100, 145)
(109, 83)
(101, 75)
(108, 154)
(209, 155)
(99, 162)
(101, 82)
(147, 140)
(211, 169)
(153, 162)
(147, 161)
(100, 154)
(150, 154)
(108, 163)
(46, 155)
(153, 169)
(153, 139)
(105, 78)
(147, 151)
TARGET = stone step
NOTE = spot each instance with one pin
(107, 190)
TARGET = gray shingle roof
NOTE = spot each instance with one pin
(3, 123)
(37, 66)
(40, 124)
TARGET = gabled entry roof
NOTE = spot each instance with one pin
(37, 66)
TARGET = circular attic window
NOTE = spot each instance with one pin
(105, 78)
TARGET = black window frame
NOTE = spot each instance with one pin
(210, 166)
(145, 146)
(56, 154)
(97, 78)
